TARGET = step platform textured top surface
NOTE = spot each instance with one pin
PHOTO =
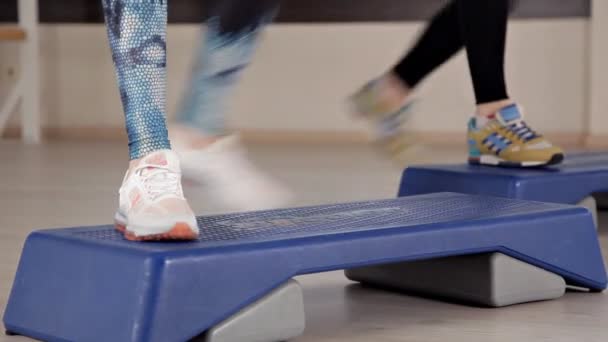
(78, 283)
(577, 177)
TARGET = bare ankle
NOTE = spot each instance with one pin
(489, 108)
(394, 89)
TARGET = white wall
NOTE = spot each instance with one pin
(598, 118)
(303, 72)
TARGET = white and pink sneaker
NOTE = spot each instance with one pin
(151, 201)
(229, 177)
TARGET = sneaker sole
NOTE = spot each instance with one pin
(181, 231)
(496, 161)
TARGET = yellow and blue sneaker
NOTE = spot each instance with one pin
(506, 140)
(388, 114)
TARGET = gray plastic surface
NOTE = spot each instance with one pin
(278, 316)
(591, 204)
(491, 279)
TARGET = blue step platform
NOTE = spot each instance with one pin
(89, 284)
(579, 176)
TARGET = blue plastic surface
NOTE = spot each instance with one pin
(89, 284)
(577, 177)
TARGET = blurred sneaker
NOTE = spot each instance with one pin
(151, 201)
(230, 177)
(388, 114)
(506, 140)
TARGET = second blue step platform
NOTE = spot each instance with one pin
(579, 176)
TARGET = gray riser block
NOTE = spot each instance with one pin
(278, 316)
(491, 279)
(591, 204)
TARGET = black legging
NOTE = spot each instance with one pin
(478, 25)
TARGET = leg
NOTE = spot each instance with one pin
(440, 41)
(446, 35)
(233, 33)
(151, 205)
(137, 32)
(208, 155)
(385, 101)
(498, 134)
(483, 26)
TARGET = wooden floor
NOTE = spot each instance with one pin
(66, 184)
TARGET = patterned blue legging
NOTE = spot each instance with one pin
(137, 34)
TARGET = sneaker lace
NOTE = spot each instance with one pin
(159, 181)
(519, 131)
